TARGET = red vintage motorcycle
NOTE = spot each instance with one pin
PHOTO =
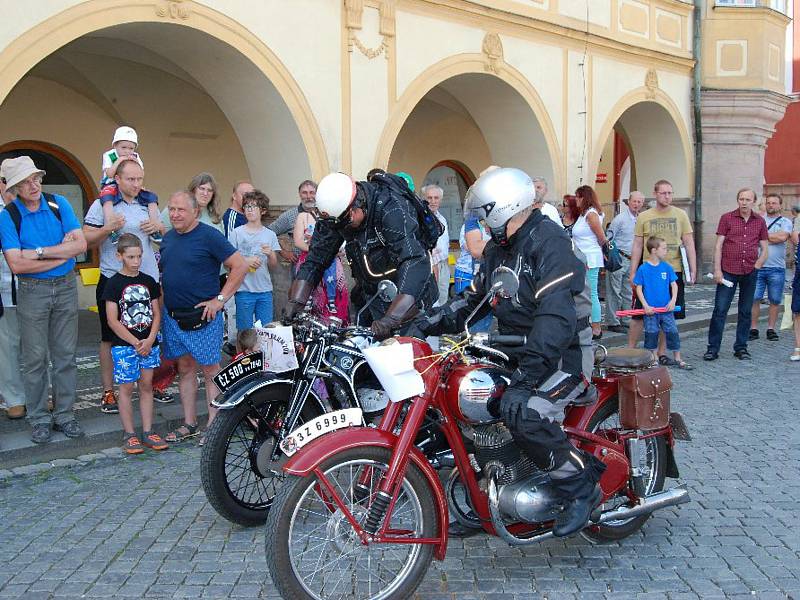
(363, 512)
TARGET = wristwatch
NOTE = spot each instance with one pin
(39, 253)
(221, 299)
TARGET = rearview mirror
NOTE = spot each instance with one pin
(387, 290)
(505, 282)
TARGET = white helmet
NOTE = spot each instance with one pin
(125, 134)
(497, 196)
(335, 194)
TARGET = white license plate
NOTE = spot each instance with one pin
(307, 432)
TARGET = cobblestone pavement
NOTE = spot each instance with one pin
(141, 528)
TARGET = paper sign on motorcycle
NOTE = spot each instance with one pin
(277, 342)
(393, 365)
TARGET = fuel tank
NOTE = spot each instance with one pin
(473, 392)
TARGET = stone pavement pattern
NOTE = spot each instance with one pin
(140, 527)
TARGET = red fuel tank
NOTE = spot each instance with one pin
(473, 392)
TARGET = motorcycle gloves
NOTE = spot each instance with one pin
(402, 308)
(299, 292)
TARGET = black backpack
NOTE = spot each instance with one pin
(430, 228)
(16, 218)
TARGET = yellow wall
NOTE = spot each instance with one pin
(170, 154)
(433, 133)
(743, 48)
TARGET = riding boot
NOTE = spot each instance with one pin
(575, 481)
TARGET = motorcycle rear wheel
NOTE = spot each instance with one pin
(235, 441)
(608, 418)
(313, 552)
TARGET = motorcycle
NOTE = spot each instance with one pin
(362, 512)
(241, 461)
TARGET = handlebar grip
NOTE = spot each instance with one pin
(507, 340)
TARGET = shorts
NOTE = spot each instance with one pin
(202, 344)
(680, 301)
(665, 322)
(106, 335)
(796, 291)
(128, 364)
(772, 279)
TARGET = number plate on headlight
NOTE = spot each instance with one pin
(307, 432)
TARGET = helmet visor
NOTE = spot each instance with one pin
(339, 222)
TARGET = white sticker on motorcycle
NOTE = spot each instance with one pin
(307, 432)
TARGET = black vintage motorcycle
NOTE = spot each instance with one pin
(241, 462)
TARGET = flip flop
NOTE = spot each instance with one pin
(184, 432)
(684, 365)
(666, 361)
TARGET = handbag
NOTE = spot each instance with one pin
(644, 399)
(189, 319)
(612, 261)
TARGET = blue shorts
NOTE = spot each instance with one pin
(661, 322)
(203, 344)
(128, 365)
(772, 279)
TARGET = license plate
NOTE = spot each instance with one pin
(239, 369)
(307, 432)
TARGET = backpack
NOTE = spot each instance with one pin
(430, 228)
(16, 218)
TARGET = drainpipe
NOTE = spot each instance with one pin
(698, 135)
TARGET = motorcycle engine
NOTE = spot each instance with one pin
(525, 492)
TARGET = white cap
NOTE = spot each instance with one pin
(335, 194)
(125, 134)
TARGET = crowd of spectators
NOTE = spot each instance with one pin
(167, 279)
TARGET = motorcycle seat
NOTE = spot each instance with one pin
(628, 358)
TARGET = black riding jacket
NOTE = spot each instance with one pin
(386, 246)
(550, 275)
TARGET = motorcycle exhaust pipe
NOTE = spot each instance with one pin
(671, 497)
(649, 504)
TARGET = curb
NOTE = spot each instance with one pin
(8, 475)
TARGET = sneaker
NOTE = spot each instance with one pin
(753, 335)
(40, 433)
(772, 336)
(162, 397)
(154, 441)
(131, 444)
(108, 404)
(795, 356)
(71, 429)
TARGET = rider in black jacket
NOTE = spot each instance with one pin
(543, 310)
(380, 232)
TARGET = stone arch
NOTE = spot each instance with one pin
(471, 65)
(666, 128)
(47, 37)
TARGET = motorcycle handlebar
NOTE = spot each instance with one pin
(507, 340)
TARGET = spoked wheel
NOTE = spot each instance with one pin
(603, 423)
(314, 552)
(239, 478)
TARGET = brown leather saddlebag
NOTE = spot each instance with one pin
(644, 399)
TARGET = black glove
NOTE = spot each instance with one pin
(402, 308)
(299, 292)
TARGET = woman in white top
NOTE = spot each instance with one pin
(588, 235)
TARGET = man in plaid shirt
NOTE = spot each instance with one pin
(740, 233)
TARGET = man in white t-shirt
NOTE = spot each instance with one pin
(441, 253)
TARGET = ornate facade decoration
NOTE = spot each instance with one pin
(492, 49)
(651, 83)
(354, 11)
(173, 9)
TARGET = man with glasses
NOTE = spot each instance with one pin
(130, 216)
(672, 225)
(380, 229)
(41, 238)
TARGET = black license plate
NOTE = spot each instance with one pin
(239, 369)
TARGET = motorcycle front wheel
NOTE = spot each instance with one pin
(238, 478)
(314, 553)
(650, 482)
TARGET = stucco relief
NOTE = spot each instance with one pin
(386, 28)
(492, 49)
(173, 9)
(651, 83)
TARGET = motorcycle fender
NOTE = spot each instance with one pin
(672, 466)
(320, 450)
(237, 394)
